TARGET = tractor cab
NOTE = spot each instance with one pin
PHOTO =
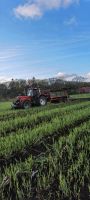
(33, 92)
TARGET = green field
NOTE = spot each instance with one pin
(45, 152)
(5, 106)
(80, 95)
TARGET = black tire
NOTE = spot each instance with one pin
(42, 100)
(26, 105)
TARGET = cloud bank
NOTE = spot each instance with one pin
(60, 75)
(4, 79)
(73, 77)
(36, 8)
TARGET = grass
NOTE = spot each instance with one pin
(4, 106)
(80, 95)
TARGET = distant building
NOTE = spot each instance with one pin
(84, 90)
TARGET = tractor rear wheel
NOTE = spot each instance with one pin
(26, 105)
(42, 101)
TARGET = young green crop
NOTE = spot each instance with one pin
(63, 165)
(18, 142)
(12, 114)
(62, 169)
(31, 120)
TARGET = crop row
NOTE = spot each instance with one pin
(63, 173)
(14, 145)
(12, 114)
(30, 121)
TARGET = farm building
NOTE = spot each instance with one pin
(84, 90)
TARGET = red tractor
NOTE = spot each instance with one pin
(37, 97)
(34, 97)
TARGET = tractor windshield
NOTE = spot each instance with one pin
(30, 93)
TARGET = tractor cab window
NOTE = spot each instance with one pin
(35, 92)
(30, 93)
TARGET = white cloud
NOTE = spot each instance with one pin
(70, 77)
(51, 4)
(71, 21)
(60, 75)
(32, 11)
(4, 79)
(69, 2)
(64, 76)
(36, 8)
(88, 76)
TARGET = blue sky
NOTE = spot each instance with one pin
(43, 38)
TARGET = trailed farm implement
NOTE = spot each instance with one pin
(37, 97)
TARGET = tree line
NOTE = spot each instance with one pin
(19, 87)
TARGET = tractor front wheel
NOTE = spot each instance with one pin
(26, 105)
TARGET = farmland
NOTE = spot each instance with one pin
(45, 152)
(84, 95)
